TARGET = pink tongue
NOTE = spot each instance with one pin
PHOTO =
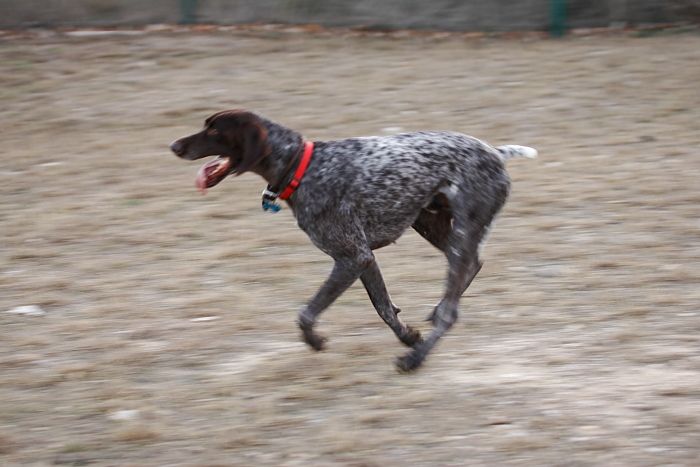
(212, 173)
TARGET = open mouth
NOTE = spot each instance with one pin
(211, 173)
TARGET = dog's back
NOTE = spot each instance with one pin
(387, 180)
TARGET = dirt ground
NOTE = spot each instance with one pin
(169, 332)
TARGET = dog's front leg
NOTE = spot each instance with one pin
(376, 289)
(345, 272)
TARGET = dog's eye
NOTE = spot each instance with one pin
(212, 132)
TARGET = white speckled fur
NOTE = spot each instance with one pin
(360, 194)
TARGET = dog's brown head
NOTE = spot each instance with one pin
(236, 136)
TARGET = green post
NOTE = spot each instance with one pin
(557, 18)
(188, 9)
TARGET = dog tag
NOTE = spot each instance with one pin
(269, 201)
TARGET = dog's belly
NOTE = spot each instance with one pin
(385, 229)
(338, 229)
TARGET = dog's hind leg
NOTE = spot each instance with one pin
(436, 226)
(468, 229)
(463, 267)
(376, 289)
(465, 286)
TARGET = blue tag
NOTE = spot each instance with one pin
(271, 206)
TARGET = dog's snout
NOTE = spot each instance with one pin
(177, 147)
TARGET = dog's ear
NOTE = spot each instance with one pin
(253, 144)
(245, 134)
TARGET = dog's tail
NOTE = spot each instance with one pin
(510, 151)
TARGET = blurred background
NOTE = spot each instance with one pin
(498, 15)
(144, 324)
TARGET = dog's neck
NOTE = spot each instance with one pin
(287, 146)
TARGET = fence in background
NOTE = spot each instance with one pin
(464, 15)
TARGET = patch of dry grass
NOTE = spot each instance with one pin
(7, 444)
(137, 433)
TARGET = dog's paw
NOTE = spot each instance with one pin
(315, 341)
(409, 362)
(411, 337)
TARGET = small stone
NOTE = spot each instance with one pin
(104, 32)
(124, 415)
(29, 310)
(204, 318)
(50, 164)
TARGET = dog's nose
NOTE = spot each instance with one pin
(177, 147)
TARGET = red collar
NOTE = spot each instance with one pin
(299, 173)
